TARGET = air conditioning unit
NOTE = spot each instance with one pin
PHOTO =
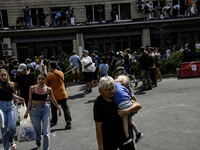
(140, 1)
(7, 52)
(140, 6)
(6, 46)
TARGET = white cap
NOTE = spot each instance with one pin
(21, 67)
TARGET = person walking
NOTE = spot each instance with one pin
(7, 106)
(55, 80)
(37, 104)
(144, 68)
(108, 118)
(152, 69)
(23, 81)
(75, 59)
(29, 66)
(111, 57)
(88, 74)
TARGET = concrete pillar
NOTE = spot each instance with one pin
(78, 44)
(146, 37)
(14, 49)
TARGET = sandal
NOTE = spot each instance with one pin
(13, 146)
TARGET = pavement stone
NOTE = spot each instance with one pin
(169, 118)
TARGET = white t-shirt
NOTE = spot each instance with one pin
(45, 67)
(88, 59)
(168, 53)
(176, 6)
(166, 8)
(197, 45)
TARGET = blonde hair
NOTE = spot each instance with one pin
(124, 79)
(9, 83)
(105, 82)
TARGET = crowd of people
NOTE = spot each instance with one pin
(66, 15)
(34, 82)
(39, 78)
(164, 12)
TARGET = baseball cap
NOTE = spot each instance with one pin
(86, 51)
(96, 51)
(21, 67)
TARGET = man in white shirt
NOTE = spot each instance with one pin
(197, 45)
(176, 10)
(88, 74)
(167, 9)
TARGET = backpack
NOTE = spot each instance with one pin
(150, 61)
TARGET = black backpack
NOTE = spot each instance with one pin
(146, 61)
(150, 61)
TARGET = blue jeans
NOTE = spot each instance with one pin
(8, 132)
(41, 113)
(28, 21)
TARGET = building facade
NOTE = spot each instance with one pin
(131, 32)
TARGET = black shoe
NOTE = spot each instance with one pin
(68, 125)
(138, 137)
(89, 91)
(38, 143)
(53, 123)
(86, 91)
(127, 140)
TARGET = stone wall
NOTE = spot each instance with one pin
(14, 7)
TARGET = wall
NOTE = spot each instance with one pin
(14, 8)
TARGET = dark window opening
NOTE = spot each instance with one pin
(3, 19)
(123, 11)
(93, 12)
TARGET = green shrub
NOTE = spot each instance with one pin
(169, 67)
(197, 54)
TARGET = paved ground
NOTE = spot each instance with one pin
(169, 119)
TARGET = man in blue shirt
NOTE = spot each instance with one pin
(75, 60)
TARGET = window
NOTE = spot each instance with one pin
(123, 11)
(3, 18)
(92, 11)
(34, 12)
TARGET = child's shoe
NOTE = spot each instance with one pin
(139, 137)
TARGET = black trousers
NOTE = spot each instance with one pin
(65, 108)
(152, 73)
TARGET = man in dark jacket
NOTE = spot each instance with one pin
(144, 68)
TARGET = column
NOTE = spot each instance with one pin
(146, 37)
(78, 44)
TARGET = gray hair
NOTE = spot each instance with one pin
(105, 82)
(122, 78)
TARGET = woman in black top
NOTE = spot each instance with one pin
(109, 126)
(40, 110)
(7, 106)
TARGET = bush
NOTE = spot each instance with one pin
(197, 54)
(175, 61)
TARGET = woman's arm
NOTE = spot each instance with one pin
(134, 108)
(52, 98)
(29, 103)
(15, 97)
(99, 135)
(100, 70)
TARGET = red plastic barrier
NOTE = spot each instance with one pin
(189, 69)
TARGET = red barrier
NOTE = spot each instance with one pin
(189, 69)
